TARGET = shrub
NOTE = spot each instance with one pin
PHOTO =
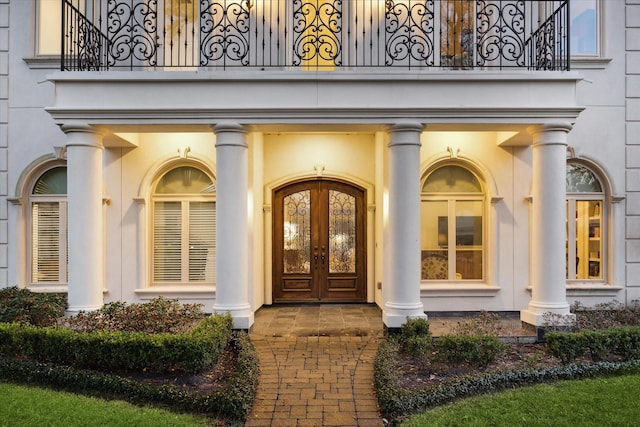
(415, 337)
(232, 402)
(25, 306)
(606, 315)
(159, 315)
(605, 344)
(483, 324)
(396, 401)
(477, 350)
(120, 351)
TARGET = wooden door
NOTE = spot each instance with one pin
(319, 243)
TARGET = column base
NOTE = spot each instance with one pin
(72, 311)
(243, 316)
(395, 315)
(545, 316)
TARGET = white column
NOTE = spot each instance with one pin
(232, 231)
(402, 293)
(85, 222)
(548, 224)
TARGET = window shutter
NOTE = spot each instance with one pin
(167, 250)
(202, 241)
(45, 242)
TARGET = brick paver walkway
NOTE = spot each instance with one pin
(324, 378)
(316, 363)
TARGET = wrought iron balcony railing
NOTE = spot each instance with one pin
(315, 34)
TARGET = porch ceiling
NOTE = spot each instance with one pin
(270, 101)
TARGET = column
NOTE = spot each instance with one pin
(548, 224)
(85, 223)
(232, 231)
(401, 294)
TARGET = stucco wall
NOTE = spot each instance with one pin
(129, 174)
(507, 234)
(632, 21)
(4, 137)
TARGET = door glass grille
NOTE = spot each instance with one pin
(297, 232)
(342, 232)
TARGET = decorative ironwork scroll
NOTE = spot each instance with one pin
(500, 32)
(409, 29)
(132, 29)
(342, 232)
(318, 34)
(85, 46)
(297, 232)
(317, 26)
(225, 31)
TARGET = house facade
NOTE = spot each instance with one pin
(425, 156)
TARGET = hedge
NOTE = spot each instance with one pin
(396, 401)
(232, 403)
(119, 351)
(601, 344)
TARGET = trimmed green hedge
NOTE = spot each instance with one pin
(231, 403)
(601, 344)
(396, 401)
(119, 351)
(477, 350)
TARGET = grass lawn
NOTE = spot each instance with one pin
(592, 402)
(32, 406)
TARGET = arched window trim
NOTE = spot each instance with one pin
(36, 172)
(482, 196)
(187, 275)
(602, 258)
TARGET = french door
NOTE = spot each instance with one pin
(319, 243)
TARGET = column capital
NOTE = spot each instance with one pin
(406, 125)
(230, 133)
(70, 127)
(405, 133)
(75, 132)
(550, 133)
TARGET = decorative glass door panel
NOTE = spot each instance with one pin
(342, 232)
(319, 235)
(297, 232)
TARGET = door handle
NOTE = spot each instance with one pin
(322, 256)
(315, 257)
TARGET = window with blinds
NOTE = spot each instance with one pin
(48, 243)
(184, 227)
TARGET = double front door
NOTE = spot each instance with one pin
(319, 243)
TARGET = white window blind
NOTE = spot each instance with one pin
(48, 242)
(184, 227)
(202, 238)
(167, 242)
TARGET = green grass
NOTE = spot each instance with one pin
(32, 406)
(593, 402)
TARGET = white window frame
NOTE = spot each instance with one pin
(185, 201)
(452, 199)
(62, 230)
(571, 200)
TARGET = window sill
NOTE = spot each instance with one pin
(458, 289)
(191, 291)
(600, 289)
(56, 289)
(589, 63)
(43, 62)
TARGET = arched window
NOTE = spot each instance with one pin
(184, 227)
(585, 225)
(452, 223)
(48, 227)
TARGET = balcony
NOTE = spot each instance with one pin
(315, 35)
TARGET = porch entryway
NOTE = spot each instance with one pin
(319, 249)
